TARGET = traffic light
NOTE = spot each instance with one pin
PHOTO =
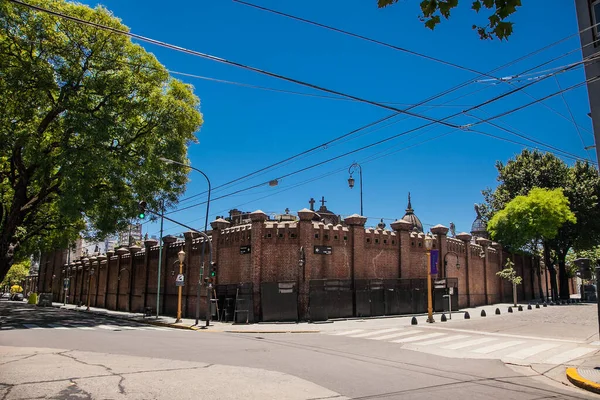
(213, 270)
(142, 209)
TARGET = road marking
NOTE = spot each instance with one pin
(375, 333)
(129, 328)
(415, 338)
(596, 343)
(347, 332)
(32, 326)
(531, 351)
(474, 342)
(442, 340)
(569, 355)
(156, 329)
(483, 333)
(7, 327)
(85, 328)
(405, 333)
(55, 326)
(497, 346)
(108, 327)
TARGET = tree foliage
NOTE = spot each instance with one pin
(536, 216)
(84, 116)
(497, 22)
(509, 273)
(581, 185)
(17, 273)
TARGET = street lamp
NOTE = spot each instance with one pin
(428, 246)
(351, 171)
(181, 257)
(208, 292)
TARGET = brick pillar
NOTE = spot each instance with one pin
(402, 229)
(120, 252)
(357, 246)
(466, 238)
(258, 219)
(148, 243)
(109, 255)
(187, 271)
(167, 240)
(133, 250)
(440, 232)
(305, 239)
(485, 243)
(102, 263)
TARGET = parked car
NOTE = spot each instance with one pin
(5, 296)
(17, 297)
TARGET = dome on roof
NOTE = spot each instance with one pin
(411, 217)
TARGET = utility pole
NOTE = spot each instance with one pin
(160, 250)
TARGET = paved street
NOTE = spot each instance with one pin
(47, 352)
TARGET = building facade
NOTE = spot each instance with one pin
(295, 267)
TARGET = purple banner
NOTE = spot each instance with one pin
(434, 261)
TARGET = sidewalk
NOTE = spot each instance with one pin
(586, 375)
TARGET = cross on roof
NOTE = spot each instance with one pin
(287, 210)
(323, 201)
(312, 204)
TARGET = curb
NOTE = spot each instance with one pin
(579, 381)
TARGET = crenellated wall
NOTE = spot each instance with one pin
(264, 251)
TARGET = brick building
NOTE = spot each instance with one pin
(310, 266)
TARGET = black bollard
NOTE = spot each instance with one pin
(520, 308)
(497, 311)
(537, 305)
(443, 318)
(529, 307)
(483, 314)
(467, 316)
(545, 304)
(413, 321)
(510, 309)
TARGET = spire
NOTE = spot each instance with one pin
(409, 209)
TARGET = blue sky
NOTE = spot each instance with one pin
(246, 129)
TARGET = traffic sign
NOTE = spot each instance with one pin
(180, 280)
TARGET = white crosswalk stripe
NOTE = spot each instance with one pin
(395, 335)
(498, 346)
(375, 333)
(531, 351)
(442, 340)
(348, 332)
(462, 345)
(569, 355)
(415, 338)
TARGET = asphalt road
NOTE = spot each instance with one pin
(77, 355)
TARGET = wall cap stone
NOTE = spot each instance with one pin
(150, 242)
(439, 229)
(258, 216)
(401, 225)
(464, 236)
(306, 215)
(483, 242)
(191, 235)
(220, 224)
(355, 220)
(169, 239)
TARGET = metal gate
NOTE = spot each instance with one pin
(236, 302)
(440, 303)
(330, 298)
(370, 298)
(279, 301)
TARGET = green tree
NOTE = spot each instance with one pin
(510, 275)
(17, 273)
(84, 115)
(581, 187)
(497, 24)
(529, 220)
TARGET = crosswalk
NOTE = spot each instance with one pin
(448, 343)
(84, 326)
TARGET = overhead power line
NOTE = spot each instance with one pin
(225, 61)
(398, 48)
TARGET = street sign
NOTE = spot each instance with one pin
(66, 283)
(180, 280)
(439, 284)
(323, 250)
(245, 249)
(451, 290)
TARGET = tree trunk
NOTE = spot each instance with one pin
(538, 271)
(551, 270)
(563, 279)
(6, 258)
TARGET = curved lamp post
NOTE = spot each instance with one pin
(351, 171)
(428, 246)
(169, 161)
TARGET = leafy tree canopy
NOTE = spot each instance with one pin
(509, 273)
(497, 22)
(84, 116)
(17, 273)
(538, 215)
